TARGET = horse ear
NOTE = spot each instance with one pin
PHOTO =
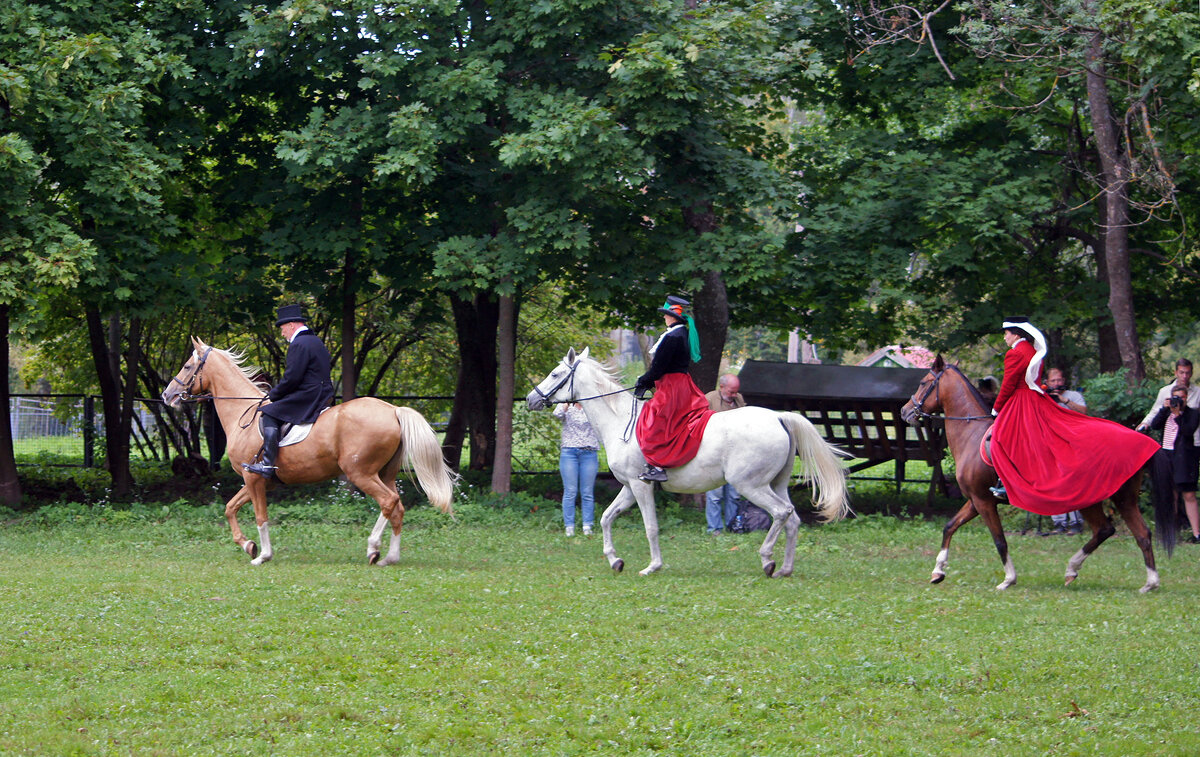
(199, 345)
(938, 363)
(584, 354)
(571, 356)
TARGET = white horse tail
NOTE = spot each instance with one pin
(423, 455)
(822, 467)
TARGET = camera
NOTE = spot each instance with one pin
(1177, 402)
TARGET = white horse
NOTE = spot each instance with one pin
(750, 447)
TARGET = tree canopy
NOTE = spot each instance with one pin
(425, 175)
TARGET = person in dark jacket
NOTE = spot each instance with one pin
(303, 392)
(1178, 423)
(672, 423)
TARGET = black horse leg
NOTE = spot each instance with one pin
(987, 511)
(1102, 528)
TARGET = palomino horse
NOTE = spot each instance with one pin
(366, 439)
(752, 448)
(968, 418)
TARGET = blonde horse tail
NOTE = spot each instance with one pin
(423, 455)
(822, 467)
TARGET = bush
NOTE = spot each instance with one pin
(1110, 396)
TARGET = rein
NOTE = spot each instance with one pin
(918, 403)
(570, 377)
(185, 397)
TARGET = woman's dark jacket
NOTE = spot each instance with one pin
(1185, 458)
(673, 355)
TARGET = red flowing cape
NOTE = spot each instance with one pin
(1053, 460)
(672, 423)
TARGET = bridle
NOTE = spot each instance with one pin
(186, 395)
(570, 377)
(918, 402)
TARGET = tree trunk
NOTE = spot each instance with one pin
(10, 484)
(475, 323)
(711, 306)
(349, 369)
(121, 473)
(711, 312)
(103, 358)
(1114, 171)
(507, 344)
(1106, 334)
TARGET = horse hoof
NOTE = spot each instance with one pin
(1068, 580)
(937, 578)
(618, 566)
(769, 569)
(251, 549)
(372, 558)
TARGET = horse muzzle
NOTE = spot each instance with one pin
(535, 401)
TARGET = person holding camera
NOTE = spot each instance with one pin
(1178, 424)
(1183, 378)
(1056, 389)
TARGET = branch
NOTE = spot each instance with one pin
(1169, 262)
(891, 22)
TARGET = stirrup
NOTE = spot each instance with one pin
(266, 471)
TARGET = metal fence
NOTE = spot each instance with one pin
(68, 430)
(50, 426)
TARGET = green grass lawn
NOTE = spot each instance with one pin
(146, 632)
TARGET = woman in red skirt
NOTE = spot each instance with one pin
(672, 423)
(1053, 460)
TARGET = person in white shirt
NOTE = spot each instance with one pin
(578, 463)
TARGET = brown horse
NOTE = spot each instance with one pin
(968, 419)
(366, 439)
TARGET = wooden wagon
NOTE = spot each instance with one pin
(857, 409)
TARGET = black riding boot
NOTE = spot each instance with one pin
(653, 473)
(270, 432)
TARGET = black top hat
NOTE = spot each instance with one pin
(674, 306)
(1015, 321)
(289, 314)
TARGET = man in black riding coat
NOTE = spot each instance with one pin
(303, 392)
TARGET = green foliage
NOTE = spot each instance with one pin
(938, 203)
(1109, 395)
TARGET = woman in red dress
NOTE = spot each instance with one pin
(1053, 460)
(672, 423)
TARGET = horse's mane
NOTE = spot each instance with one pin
(970, 385)
(250, 373)
(607, 378)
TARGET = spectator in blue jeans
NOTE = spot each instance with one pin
(721, 505)
(578, 462)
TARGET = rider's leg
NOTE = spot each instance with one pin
(270, 432)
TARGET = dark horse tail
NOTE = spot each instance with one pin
(1162, 491)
